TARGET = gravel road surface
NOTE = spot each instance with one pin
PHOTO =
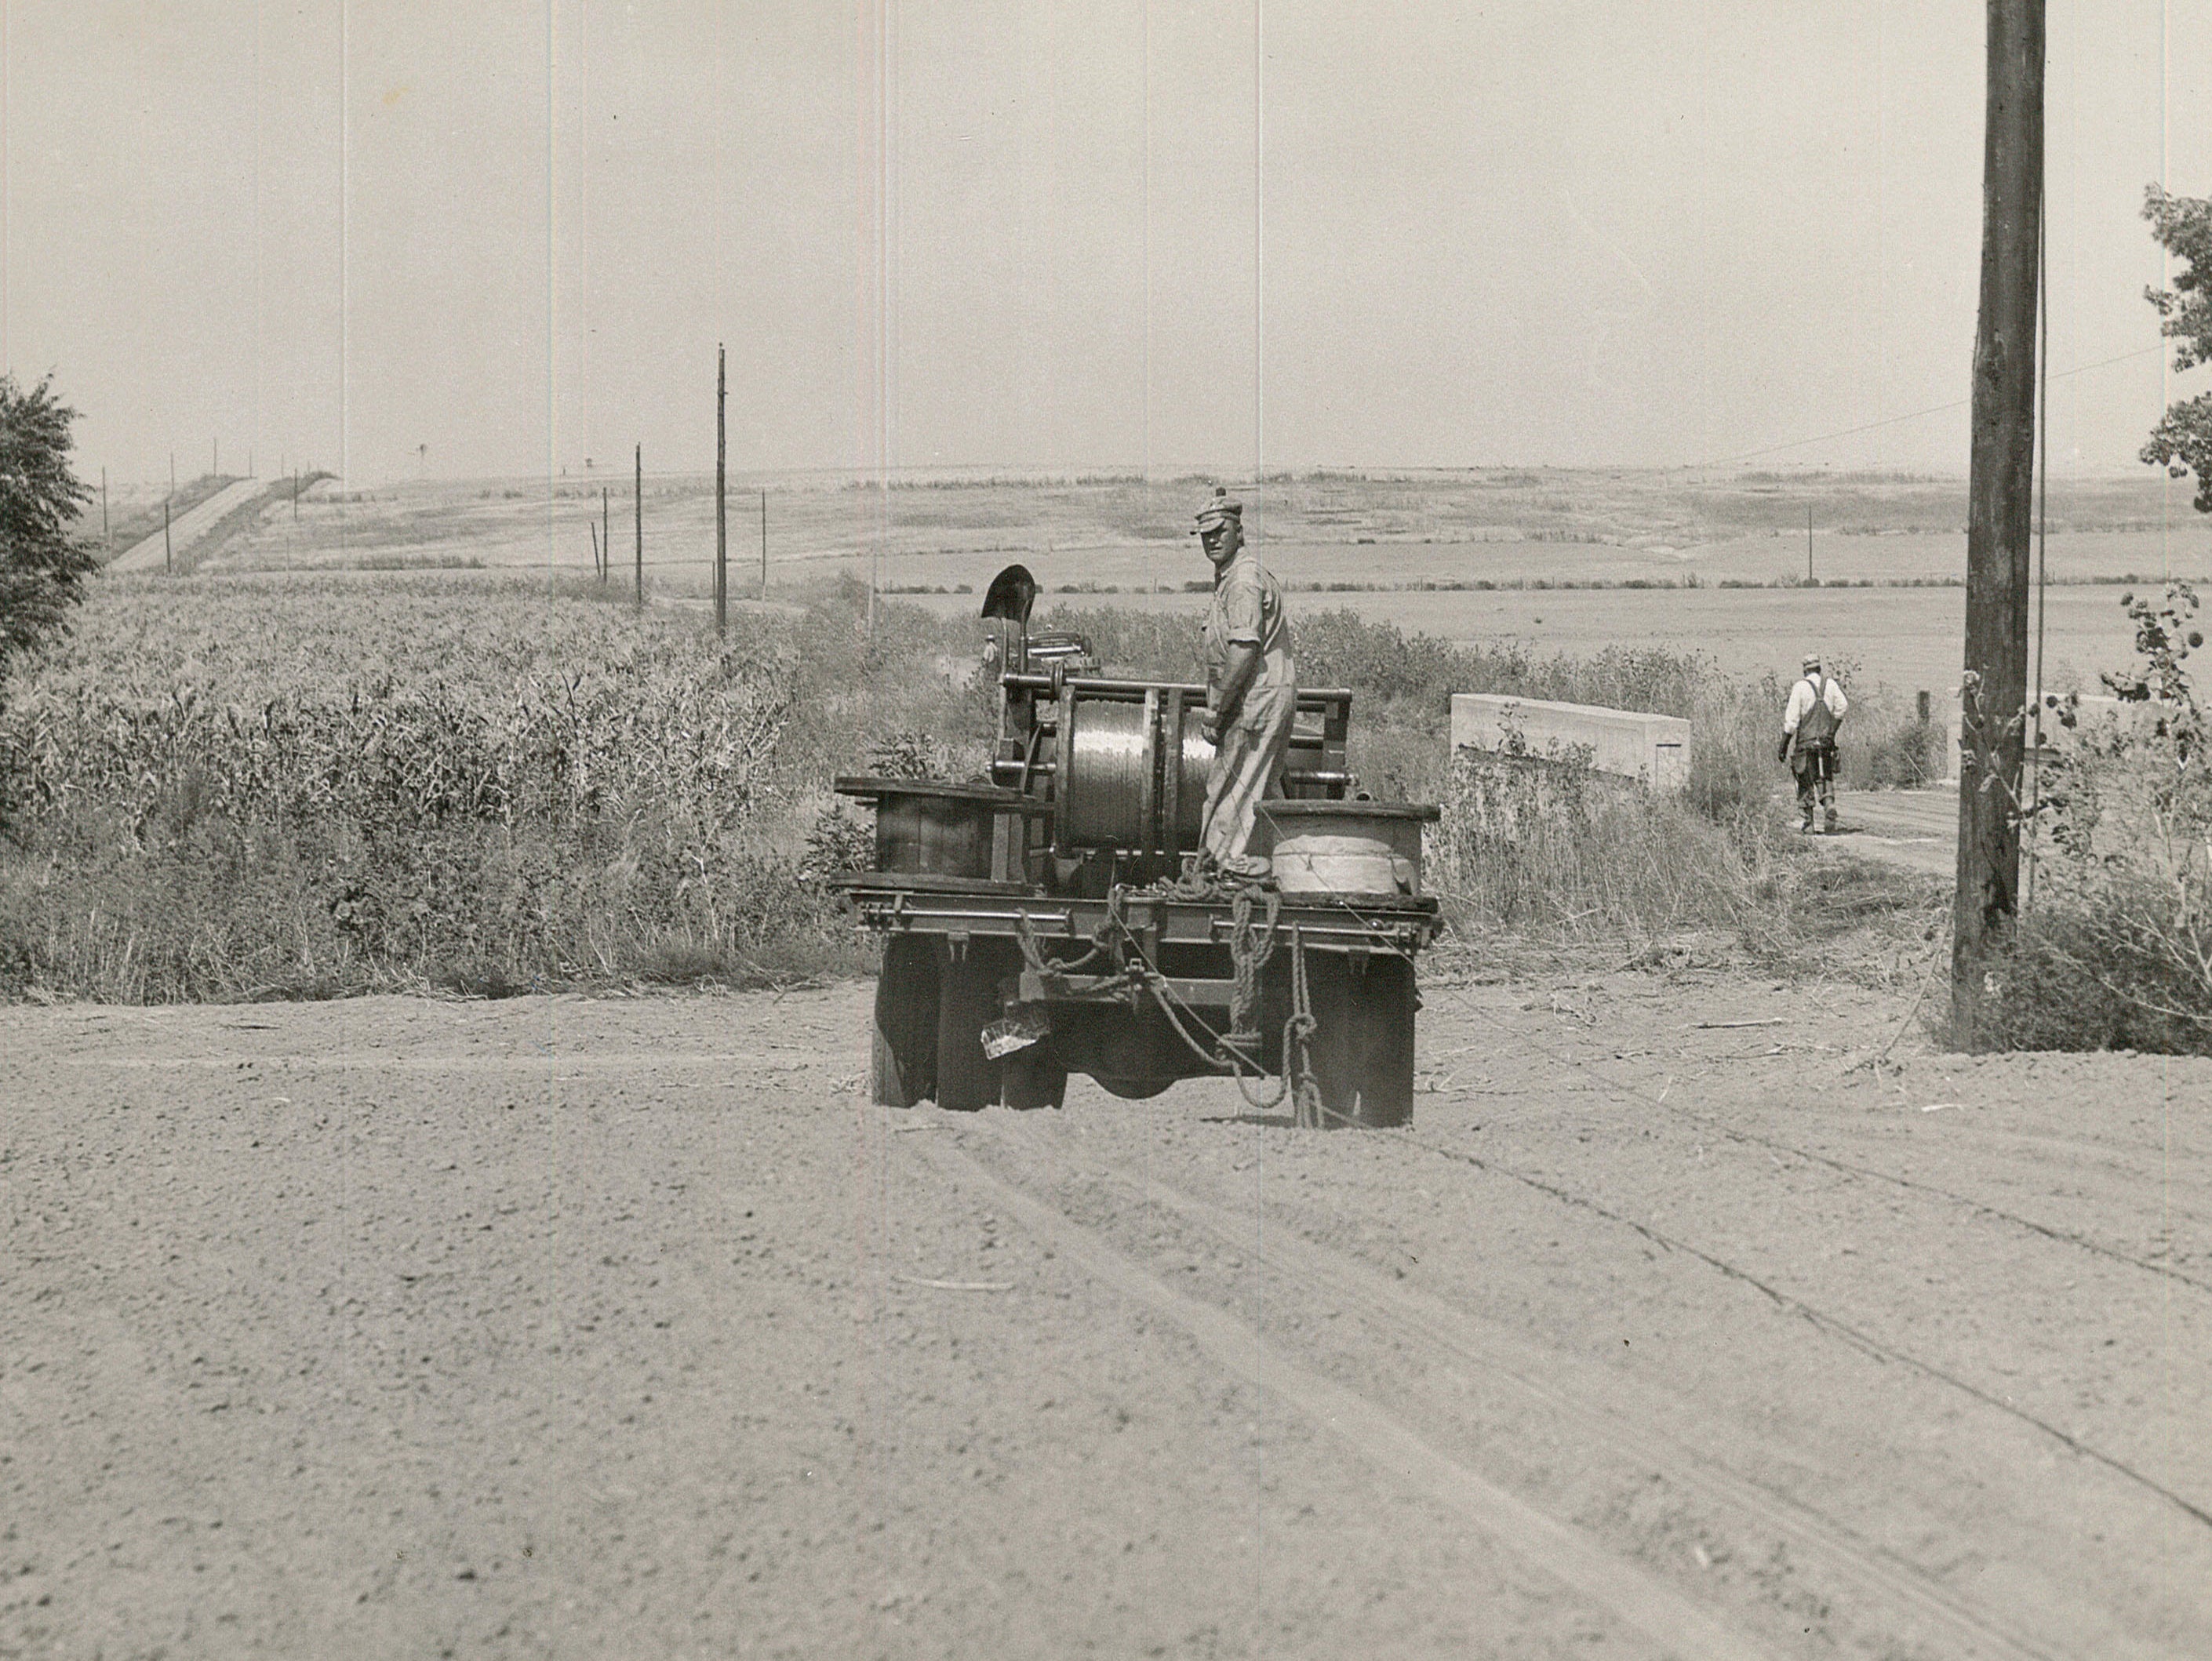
(150, 553)
(559, 1327)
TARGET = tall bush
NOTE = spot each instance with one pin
(2116, 949)
(42, 564)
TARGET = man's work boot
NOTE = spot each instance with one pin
(1831, 823)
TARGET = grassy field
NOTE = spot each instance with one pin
(299, 772)
(1492, 524)
(1905, 639)
(1357, 541)
(238, 787)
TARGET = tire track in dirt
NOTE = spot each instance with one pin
(1424, 1320)
(1629, 1093)
(1630, 1592)
(1855, 1336)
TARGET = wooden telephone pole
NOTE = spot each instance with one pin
(721, 492)
(2000, 481)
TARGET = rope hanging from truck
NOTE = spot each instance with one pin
(1250, 949)
(1250, 946)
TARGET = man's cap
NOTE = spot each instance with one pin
(1222, 508)
(1811, 660)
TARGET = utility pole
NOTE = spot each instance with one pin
(1999, 485)
(640, 527)
(721, 492)
(764, 544)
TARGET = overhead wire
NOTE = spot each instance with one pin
(1892, 420)
(2034, 726)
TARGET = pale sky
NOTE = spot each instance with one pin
(1056, 234)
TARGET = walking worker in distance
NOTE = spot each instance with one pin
(1809, 721)
(1251, 693)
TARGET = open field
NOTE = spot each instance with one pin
(562, 1327)
(1906, 639)
(1502, 527)
(1471, 526)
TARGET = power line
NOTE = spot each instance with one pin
(1913, 415)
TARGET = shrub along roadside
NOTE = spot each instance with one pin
(1548, 849)
(2113, 949)
(222, 791)
(222, 810)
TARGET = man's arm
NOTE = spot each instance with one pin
(1243, 669)
(1792, 713)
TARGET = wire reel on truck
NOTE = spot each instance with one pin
(1034, 926)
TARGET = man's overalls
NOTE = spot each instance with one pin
(1814, 758)
(1248, 761)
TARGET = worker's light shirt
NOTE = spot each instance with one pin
(1248, 610)
(1802, 697)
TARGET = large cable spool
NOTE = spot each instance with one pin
(1113, 791)
(1106, 791)
(1196, 754)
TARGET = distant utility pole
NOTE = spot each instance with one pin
(2000, 484)
(721, 491)
(764, 544)
(168, 559)
(640, 527)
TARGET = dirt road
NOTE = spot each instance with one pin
(149, 553)
(1918, 829)
(628, 1328)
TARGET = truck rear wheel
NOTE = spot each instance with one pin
(1032, 1078)
(967, 1002)
(1363, 1044)
(902, 1064)
(1131, 1089)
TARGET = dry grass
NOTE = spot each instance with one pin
(226, 789)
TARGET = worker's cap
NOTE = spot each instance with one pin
(1218, 513)
(1811, 660)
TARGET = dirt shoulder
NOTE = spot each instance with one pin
(559, 1326)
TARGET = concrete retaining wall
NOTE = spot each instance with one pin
(1653, 748)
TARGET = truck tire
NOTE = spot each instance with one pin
(1032, 1078)
(967, 1002)
(1131, 1089)
(902, 1064)
(1363, 1044)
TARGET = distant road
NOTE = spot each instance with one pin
(1914, 828)
(189, 527)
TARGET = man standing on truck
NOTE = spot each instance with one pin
(1816, 708)
(1251, 693)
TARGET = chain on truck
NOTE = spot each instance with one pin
(1050, 922)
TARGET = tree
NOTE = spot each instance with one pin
(2182, 441)
(42, 565)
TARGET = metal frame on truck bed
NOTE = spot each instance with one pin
(1050, 922)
